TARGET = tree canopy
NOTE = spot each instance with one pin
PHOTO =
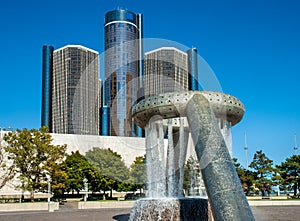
(247, 177)
(111, 166)
(263, 168)
(192, 176)
(78, 168)
(6, 167)
(289, 171)
(34, 159)
(138, 176)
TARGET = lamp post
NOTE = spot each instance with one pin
(278, 188)
(50, 204)
(49, 187)
(22, 193)
(85, 188)
(297, 190)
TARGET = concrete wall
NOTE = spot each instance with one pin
(283, 197)
(274, 203)
(7, 207)
(105, 204)
(128, 147)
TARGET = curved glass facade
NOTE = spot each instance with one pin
(104, 121)
(120, 15)
(122, 55)
(47, 85)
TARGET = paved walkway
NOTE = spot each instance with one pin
(276, 213)
(261, 213)
(68, 215)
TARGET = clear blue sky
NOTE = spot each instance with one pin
(253, 48)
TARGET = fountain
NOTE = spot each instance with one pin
(209, 117)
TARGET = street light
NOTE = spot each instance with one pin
(85, 189)
(22, 193)
(50, 204)
(49, 187)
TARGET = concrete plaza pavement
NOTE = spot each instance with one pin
(261, 213)
(276, 213)
(68, 215)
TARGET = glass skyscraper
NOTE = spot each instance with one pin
(47, 86)
(166, 70)
(123, 71)
(73, 87)
(193, 69)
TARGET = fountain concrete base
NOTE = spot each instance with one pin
(174, 209)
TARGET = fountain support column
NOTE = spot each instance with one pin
(225, 193)
(223, 186)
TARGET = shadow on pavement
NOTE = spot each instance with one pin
(122, 217)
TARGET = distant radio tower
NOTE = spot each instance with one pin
(246, 150)
(295, 144)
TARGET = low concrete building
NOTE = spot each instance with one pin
(128, 147)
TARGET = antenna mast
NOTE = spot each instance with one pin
(246, 150)
(295, 144)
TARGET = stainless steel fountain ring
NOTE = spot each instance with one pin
(171, 105)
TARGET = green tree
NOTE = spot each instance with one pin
(277, 179)
(263, 168)
(111, 166)
(192, 176)
(6, 167)
(247, 177)
(138, 176)
(34, 158)
(77, 168)
(289, 171)
(58, 179)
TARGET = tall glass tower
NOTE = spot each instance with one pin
(166, 70)
(47, 86)
(123, 71)
(193, 69)
(75, 91)
(71, 90)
